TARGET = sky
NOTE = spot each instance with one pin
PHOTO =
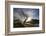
(22, 13)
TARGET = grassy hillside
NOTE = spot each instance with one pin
(32, 23)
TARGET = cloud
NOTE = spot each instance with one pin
(33, 13)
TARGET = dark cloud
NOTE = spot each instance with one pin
(18, 12)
